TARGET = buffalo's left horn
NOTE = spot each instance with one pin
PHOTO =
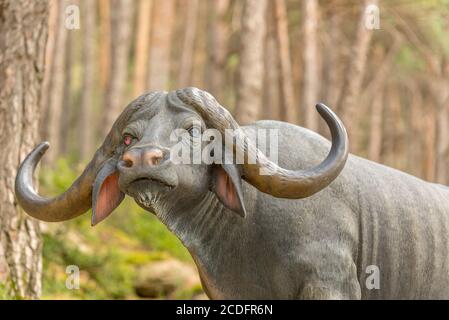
(276, 181)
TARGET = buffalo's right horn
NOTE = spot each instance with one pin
(72, 203)
(78, 198)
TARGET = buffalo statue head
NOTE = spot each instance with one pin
(135, 159)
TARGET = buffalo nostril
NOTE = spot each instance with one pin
(153, 157)
(128, 160)
(127, 163)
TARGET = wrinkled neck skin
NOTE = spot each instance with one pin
(214, 237)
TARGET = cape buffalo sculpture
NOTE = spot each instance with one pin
(308, 229)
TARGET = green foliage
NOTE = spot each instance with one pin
(4, 292)
(438, 27)
(8, 290)
(147, 229)
(107, 255)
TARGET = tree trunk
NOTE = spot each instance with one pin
(53, 18)
(250, 73)
(66, 107)
(289, 108)
(415, 149)
(442, 97)
(429, 141)
(271, 92)
(54, 113)
(297, 48)
(375, 137)
(121, 16)
(310, 63)
(86, 137)
(383, 63)
(218, 48)
(394, 146)
(104, 11)
(185, 70)
(161, 37)
(354, 76)
(200, 54)
(23, 26)
(333, 70)
(142, 47)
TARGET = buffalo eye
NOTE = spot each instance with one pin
(194, 132)
(127, 140)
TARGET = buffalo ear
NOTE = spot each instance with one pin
(106, 195)
(227, 185)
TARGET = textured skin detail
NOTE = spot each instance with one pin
(318, 247)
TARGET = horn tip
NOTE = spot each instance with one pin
(321, 106)
(325, 111)
(43, 146)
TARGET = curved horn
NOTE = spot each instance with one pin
(276, 181)
(72, 203)
(78, 198)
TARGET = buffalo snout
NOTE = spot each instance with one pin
(149, 156)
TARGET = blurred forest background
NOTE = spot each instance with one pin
(262, 59)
